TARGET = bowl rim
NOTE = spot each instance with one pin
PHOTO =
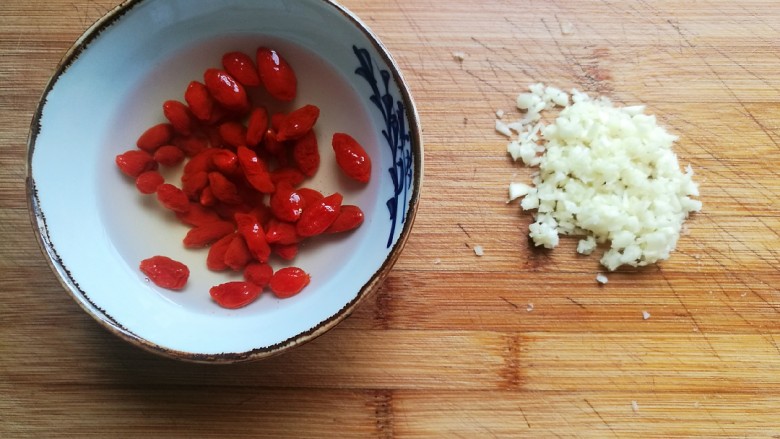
(70, 284)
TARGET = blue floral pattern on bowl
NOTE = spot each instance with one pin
(395, 133)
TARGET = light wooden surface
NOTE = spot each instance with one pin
(450, 347)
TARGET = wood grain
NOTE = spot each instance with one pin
(516, 343)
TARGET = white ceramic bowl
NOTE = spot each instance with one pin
(95, 227)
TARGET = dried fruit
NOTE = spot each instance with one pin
(241, 67)
(252, 231)
(179, 116)
(215, 260)
(235, 294)
(155, 137)
(306, 154)
(237, 254)
(225, 161)
(148, 182)
(276, 120)
(165, 272)
(255, 170)
(280, 232)
(286, 204)
(276, 75)
(350, 217)
(206, 234)
(134, 162)
(309, 196)
(285, 251)
(233, 133)
(193, 184)
(271, 144)
(207, 198)
(258, 273)
(173, 198)
(223, 189)
(192, 144)
(298, 122)
(256, 126)
(200, 101)
(169, 155)
(197, 215)
(351, 157)
(226, 90)
(289, 281)
(287, 174)
(316, 218)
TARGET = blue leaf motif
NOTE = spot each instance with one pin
(396, 135)
(393, 176)
(391, 206)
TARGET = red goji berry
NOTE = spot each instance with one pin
(255, 170)
(288, 252)
(200, 162)
(193, 184)
(228, 211)
(276, 120)
(134, 162)
(350, 217)
(200, 101)
(148, 182)
(223, 189)
(179, 116)
(206, 234)
(309, 196)
(233, 133)
(285, 203)
(165, 272)
(280, 232)
(298, 122)
(235, 294)
(215, 260)
(289, 281)
(172, 198)
(306, 154)
(192, 144)
(262, 213)
(207, 198)
(251, 196)
(258, 273)
(155, 137)
(317, 217)
(271, 144)
(226, 90)
(276, 75)
(351, 157)
(241, 67)
(225, 161)
(287, 174)
(218, 114)
(237, 254)
(252, 231)
(197, 215)
(256, 126)
(215, 139)
(169, 155)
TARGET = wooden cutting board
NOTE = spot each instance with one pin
(516, 343)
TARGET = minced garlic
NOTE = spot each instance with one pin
(606, 173)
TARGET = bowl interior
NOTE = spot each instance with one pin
(96, 226)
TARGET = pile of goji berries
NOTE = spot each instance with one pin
(240, 191)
